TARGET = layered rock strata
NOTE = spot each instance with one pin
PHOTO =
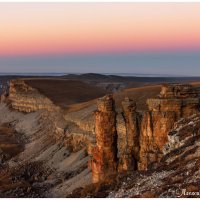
(24, 98)
(128, 140)
(174, 102)
(178, 91)
(177, 175)
(104, 159)
(153, 136)
(141, 137)
(182, 99)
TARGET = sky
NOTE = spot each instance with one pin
(155, 38)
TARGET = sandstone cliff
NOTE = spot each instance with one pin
(153, 136)
(141, 136)
(175, 101)
(27, 99)
(24, 98)
(177, 175)
(128, 138)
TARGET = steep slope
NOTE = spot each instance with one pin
(25, 98)
(177, 175)
(49, 164)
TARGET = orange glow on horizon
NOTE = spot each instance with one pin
(45, 28)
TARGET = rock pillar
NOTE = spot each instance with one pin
(128, 140)
(104, 158)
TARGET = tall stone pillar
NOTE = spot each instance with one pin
(104, 158)
(129, 139)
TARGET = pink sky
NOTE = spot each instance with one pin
(45, 28)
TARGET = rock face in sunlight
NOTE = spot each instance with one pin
(177, 175)
(128, 140)
(27, 99)
(104, 160)
(174, 102)
(153, 136)
(178, 91)
(141, 136)
(178, 98)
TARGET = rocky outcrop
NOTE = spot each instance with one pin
(174, 102)
(104, 157)
(24, 98)
(75, 136)
(182, 99)
(128, 139)
(141, 137)
(178, 91)
(153, 136)
(77, 139)
(177, 175)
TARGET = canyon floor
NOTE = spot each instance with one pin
(42, 153)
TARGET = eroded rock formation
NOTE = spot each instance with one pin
(141, 137)
(128, 138)
(24, 98)
(125, 141)
(177, 175)
(104, 160)
(174, 102)
(178, 91)
(178, 98)
(153, 136)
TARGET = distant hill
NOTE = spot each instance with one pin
(97, 77)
